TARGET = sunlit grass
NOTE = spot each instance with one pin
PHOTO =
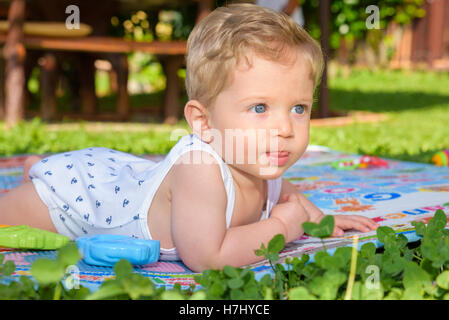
(416, 103)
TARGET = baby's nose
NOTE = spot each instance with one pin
(283, 127)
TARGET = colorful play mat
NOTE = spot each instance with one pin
(393, 196)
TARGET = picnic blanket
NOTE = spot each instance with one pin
(393, 196)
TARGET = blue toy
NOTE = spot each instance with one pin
(107, 249)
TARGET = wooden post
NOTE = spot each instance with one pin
(120, 66)
(87, 85)
(14, 53)
(48, 83)
(2, 88)
(324, 8)
(204, 8)
(171, 64)
(343, 52)
(435, 33)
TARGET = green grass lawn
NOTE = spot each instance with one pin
(417, 105)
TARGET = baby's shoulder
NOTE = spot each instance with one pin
(196, 158)
(196, 164)
(196, 175)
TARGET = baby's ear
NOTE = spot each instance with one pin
(198, 119)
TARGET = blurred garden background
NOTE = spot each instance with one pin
(387, 88)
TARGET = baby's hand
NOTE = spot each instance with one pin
(346, 222)
(292, 214)
(342, 222)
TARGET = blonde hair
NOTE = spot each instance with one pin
(218, 42)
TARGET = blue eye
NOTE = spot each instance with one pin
(300, 108)
(260, 108)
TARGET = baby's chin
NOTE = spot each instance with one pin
(271, 172)
(265, 172)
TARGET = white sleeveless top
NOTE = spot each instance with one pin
(103, 191)
(192, 142)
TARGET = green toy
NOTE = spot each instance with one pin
(25, 237)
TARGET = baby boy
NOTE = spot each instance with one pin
(219, 192)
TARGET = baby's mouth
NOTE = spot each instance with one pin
(278, 158)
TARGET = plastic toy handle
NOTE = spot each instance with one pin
(106, 250)
(25, 237)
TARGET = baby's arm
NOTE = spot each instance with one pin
(198, 220)
(342, 222)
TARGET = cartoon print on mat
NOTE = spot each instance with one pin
(315, 185)
(353, 205)
(435, 189)
(19, 258)
(393, 196)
